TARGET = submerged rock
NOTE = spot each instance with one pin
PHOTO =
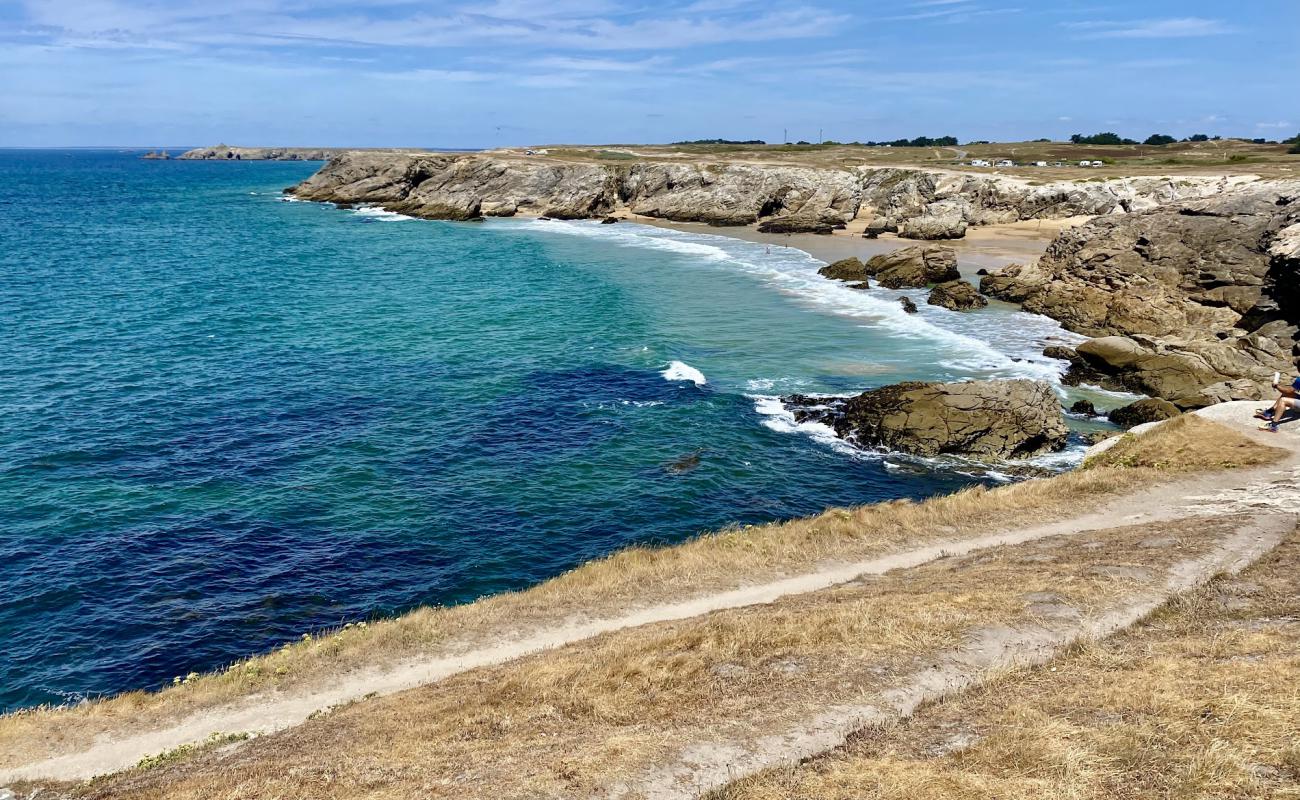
(914, 267)
(684, 464)
(908, 305)
(956, 295)
(990, 419)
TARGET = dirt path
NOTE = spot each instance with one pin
(1212, 494)
(705, 766)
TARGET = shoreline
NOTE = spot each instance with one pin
(984, 247)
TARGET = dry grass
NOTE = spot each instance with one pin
(637, 577)
(1200, 701)
(576, 721)
(1228, 157)
(1187, 444)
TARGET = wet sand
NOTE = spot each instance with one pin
(987, 247)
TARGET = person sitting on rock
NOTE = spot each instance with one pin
(1289, 398)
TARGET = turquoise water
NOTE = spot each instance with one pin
(230, 419)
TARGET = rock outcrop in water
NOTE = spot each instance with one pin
(988, 419)
(846, 269)
(914, 202)
(956, 295)
(1196, 302)
(914, 267)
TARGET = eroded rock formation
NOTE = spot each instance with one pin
(1196, 302)
(927, 204)
(988, 419)
(957, 295)
(914, 267)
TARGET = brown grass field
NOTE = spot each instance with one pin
(1200, 701)
(1225, 157)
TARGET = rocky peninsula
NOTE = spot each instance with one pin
(914, 203)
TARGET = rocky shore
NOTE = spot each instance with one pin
(1195, 302)
(914, 203)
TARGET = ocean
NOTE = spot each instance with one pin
(229, 419)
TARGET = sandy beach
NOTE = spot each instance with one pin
(985, 247)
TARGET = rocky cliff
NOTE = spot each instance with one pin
(919, 204)
(1195, 301)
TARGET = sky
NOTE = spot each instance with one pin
(509, 72)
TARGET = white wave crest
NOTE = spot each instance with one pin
(981, 344)
(781, 419)
(375, 212)
(681, 371)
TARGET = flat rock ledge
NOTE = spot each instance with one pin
(995, 419)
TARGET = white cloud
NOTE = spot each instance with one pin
(1172, 28)
(1279, 125)
(572, 24)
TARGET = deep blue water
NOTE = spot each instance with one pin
(229, 419)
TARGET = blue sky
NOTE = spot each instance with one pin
(483, 74)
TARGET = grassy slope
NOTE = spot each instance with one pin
(1201, 700)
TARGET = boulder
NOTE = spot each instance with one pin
(796, 225)
(1083, 407)
(846, 269)
(914, 267)
(941, 220)
(956, 295)
(986, 419)
(609, 220)
(1188, 373)
(1011, 283)
(875, 227)
(908, 305)
(1080, 372)
(1151, 409)
(1205, 290)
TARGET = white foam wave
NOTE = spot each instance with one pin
(781, 419)
(681, 371)
(777, 417)
(375, 212)
(983, 344)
